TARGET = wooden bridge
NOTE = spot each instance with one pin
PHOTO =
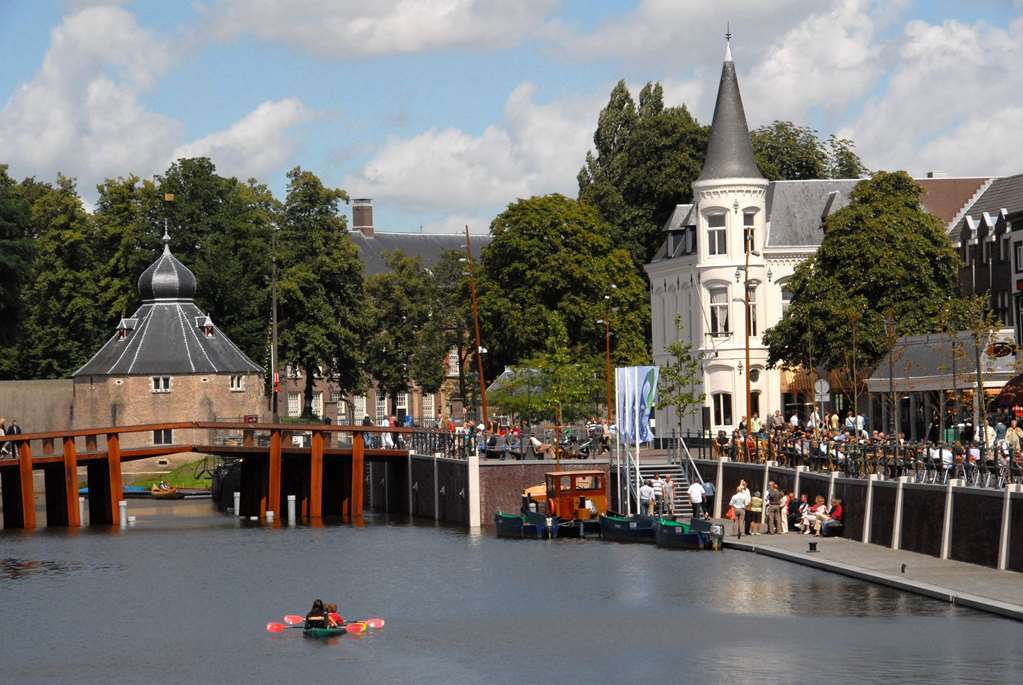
(327, 477)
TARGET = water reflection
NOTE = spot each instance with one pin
(15, 569)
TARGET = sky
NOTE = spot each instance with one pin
(445, 111)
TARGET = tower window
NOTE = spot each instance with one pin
(717, 236)
(161, 383)
(719, 311)
(749, 231)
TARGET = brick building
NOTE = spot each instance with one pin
(168, 362)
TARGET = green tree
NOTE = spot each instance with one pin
(548, 267)
(569, 385)
(321, 298)
(17, 249)
(64, 325)
(880, 251)
(404, 345)
(680, 377)
(786, 151)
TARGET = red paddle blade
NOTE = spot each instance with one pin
(336, 617)
(276, 627)
(293, 620)
(355, 628)
(374, 623)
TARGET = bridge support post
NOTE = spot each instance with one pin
(358, 474)
(74, 519)
(115, 489)
(28, 495)
(273, 480)
(316, 477)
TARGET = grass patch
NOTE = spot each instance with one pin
(181, 477)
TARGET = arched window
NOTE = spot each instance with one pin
(786, 297)
(717, 236)
(749, 234)
(722, 408)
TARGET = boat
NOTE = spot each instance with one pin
(679, 535)
(324, 632)
(635, 528)
(514, 526)
(169, 492)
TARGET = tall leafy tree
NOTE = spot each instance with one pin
(17, 248)
(786, 151)
(321, 298)
(404, 345)
(548, 267)
(64, 324)
(880, 251)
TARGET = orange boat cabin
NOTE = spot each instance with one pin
(576, 495)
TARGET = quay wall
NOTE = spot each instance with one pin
(948, 521)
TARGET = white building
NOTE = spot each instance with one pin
(697, 273)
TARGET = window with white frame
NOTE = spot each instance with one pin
(786, 298)
(335, 396)
(752, 311)
(237, 383)
(401, 401)
(318, 403)
(360, 407)
(717, 237)
(453, 362)
(719, 310)
(161, 383)
(164, 436)
(294, 404)
(342, 409)
(427, 406)
(381, 407)
(749, 235)
(722, 405)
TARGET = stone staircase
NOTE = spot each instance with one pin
(678, 475)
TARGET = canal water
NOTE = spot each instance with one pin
(184, 597)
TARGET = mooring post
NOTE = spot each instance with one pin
(868, 506)
(897, 519)
(358, 474)
(81, 510)
(28, 495)
(74, 515)
(291, 511)
(122, 505)
(237, 503)
(114, 487)
(946, 524)
(273, 479)
(719, 485)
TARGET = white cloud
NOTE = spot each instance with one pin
(258, 143)
(82, 115)
(456, 223)
(333, 29)
(953, 102)
(537, 149)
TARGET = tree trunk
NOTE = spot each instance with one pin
(307, 394)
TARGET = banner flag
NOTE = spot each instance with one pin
(637, 395)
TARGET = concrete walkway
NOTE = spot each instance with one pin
(970, 585)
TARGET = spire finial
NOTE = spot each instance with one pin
(166, 239)
(728, 41)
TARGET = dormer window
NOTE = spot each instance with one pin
(207, 331)
(161, 383)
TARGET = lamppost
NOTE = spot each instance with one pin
(889, 329)
(480, 350)
(745, 302)
(275, 384)
(607, 353)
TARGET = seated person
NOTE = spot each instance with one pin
(317, 616)
(831, 521)
(541, 448)
(333, 618)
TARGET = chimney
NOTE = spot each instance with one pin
(362, 216)
(937, 174)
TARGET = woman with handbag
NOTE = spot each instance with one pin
(738, 509)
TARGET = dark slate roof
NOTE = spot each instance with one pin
(729, 150)
(1002, 193)
(794, 209)
(427, 246)
(165, 336)
(680, 218)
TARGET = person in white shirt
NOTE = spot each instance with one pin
(794, 419)
(646, 498)
(738, 504)
(696, 499)
(658, 485)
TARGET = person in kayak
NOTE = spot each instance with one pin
(333, 618)
(317, 617)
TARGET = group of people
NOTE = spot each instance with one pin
(8, 450)
(657, 496)
(323, 616)
(782, 511)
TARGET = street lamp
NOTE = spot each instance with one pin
(889, 329)
(607, 351)
(745, 301)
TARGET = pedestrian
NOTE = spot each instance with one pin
(696, 499)
(773, 509)
(756, 513)
(708, 499)
(668, 495)
(14, 429)
(738, 505)
(658, 485)
(4, 451)
(786, 498)
(746, 498)
(646, 498)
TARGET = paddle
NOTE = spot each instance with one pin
(293, 620)
(278, 627)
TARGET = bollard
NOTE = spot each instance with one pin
(81, 510)
(291, 510)
(131, 520)
(813, 547)
(253, 518)
(237, 504)
(123, 506)
(269, 517)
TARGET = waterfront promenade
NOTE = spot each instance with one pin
(970, 585)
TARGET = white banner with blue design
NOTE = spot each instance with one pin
(637, 394)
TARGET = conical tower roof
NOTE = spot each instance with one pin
(730, 150)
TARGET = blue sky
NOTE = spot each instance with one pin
(444, 111)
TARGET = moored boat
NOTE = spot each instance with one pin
(635, 528)
(170, 492)
(514, 526)
(678, 535)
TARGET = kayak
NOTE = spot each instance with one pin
(323, 632)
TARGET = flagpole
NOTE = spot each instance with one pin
(618, 445)
(635, 417)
